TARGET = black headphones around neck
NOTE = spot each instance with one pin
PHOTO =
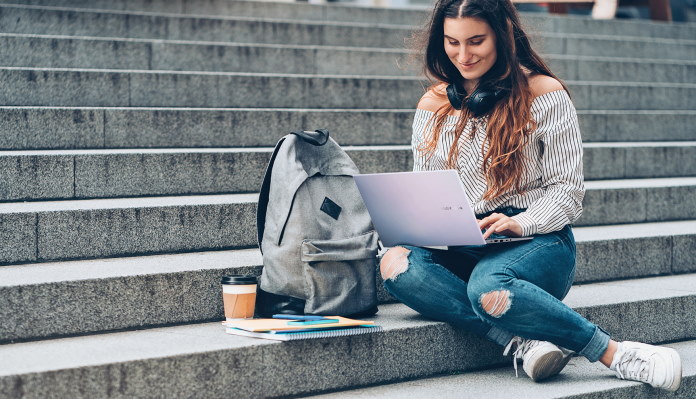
(480, 102)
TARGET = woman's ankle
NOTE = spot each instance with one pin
(608, 354)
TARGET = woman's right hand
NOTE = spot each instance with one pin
(500, 224)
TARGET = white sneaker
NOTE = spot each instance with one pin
(540, 359)
(655, 365)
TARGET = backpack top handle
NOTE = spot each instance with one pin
(318, 137)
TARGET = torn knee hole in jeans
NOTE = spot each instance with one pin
(394, 264)
(496, 303)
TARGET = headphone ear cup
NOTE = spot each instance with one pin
(481, 101)
(455, 98)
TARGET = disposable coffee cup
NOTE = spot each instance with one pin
(238, 296)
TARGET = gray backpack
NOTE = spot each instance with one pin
(318, 244)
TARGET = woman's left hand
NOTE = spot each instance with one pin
(500, 224)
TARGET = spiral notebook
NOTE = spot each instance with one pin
(305, 333)
(258, 325)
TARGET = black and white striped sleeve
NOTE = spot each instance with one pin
(560, 166)
(420, 124)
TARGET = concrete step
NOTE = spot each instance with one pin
(178, 55)
(27, 128)
(378, 15)
(580, 380)
(201, 360)
(117, 227)
(638, 200)
(132, 173)
(79, 174)
(80, 229)
(86, 87)
(82, 22)
(46, 51)
(335, 12)
(75, 297)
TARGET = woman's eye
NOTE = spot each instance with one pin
(476, 43)
(452, 43)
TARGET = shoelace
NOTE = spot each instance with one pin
(634, 365)
(523, 346)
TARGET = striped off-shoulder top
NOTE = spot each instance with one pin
(553, 178)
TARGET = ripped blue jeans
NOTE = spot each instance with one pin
(526, 281)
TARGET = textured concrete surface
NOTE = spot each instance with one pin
(618, 27)
(180, 89)
(579, 380)
(200, 360)
(251, 127)
(683, 256)
(638, 200)
(51, 20)
(55, 297)
(624, 258)
(624, 46)
(18, 235)
(633, 250)
(195, 172)
(62, 87)
(33, 175)
(410, 346)
(57, 128)
(68, 52)
(103, 228)
(24, 128)
(621, 69)
(639, 160)
(132, 173)
(349, 12)
(92, 228)
(140, 54)
(631, 126)
(61, 308)
(143, 230)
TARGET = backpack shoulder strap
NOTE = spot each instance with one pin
(263, 196)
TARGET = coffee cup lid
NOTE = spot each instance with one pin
(238, 279)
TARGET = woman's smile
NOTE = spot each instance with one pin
(468, 65)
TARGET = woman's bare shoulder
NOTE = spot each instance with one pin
(434, 98)
(542, 84)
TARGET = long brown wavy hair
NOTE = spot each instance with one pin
(510, 122)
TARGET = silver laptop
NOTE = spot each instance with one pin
(425, 209)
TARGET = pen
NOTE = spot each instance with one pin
(297, 317)
(308, 322)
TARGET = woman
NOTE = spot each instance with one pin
(517, 148)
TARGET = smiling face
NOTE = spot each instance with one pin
(470, 45)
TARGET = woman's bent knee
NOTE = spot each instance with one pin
(496, 303)
(394, 262)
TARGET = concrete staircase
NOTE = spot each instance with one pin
(133, 139)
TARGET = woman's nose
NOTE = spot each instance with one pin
(463, 55)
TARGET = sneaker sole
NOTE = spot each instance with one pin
(548, 366)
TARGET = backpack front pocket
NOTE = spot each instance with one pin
(340, 274)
